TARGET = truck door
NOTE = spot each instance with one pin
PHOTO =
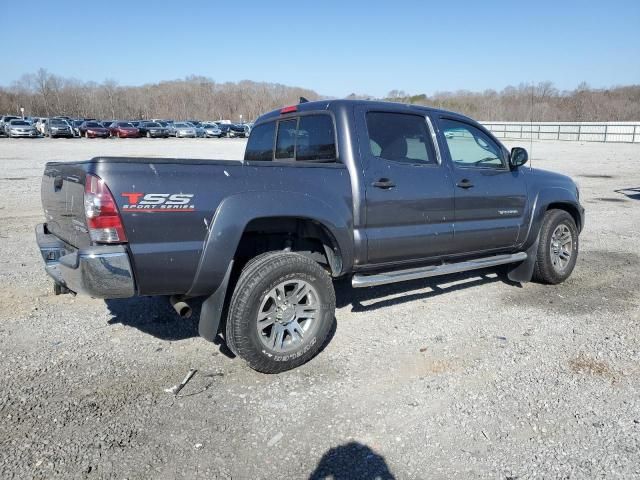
(490, 198)
(408, 191)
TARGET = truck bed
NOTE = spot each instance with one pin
(173, 236)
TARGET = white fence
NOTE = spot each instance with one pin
(628, 132)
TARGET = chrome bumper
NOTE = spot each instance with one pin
(99, 271)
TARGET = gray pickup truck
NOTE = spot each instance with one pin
(379, 192)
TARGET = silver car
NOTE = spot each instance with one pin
(198, 128)
(184, 130)
(212, 131)
(21, 128)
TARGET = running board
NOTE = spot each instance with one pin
(362, 280)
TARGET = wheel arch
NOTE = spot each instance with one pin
(238, 214)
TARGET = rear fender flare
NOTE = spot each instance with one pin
(236, 211)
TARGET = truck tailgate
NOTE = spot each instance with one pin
(62, 194)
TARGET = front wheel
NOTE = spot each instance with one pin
(557, 248)
(281, 312)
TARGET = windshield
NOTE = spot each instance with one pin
(19, 122)
(125, 124)
(57, 121)
(182, 125)
(93, 124)
(152, 124)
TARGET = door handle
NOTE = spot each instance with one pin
(383, 183)
(464, 183)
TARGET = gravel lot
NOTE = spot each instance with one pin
(456, 377)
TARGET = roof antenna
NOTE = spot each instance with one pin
(531, 131)
(303, 100)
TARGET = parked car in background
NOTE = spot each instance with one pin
(75, 125)
(153, 130)
(237, 130)
(93, 129)
(184, 130)
(106, 123)
(40, 124)
(58, 127)
(4, 122)
(123, 130)
(21, 128)
(224, 128)
(212, 131)
(197, 127)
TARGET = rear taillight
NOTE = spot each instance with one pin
(101, 211)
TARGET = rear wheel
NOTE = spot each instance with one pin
(557, 248)
(281, 312)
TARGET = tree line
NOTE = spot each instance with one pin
(45, 94)
(541, 102)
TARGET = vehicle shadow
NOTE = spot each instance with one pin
(352, 461)
(155, 316)
(632, 193)
(402, 292)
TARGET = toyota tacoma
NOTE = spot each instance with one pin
(373, 191)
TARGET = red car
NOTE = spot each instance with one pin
(93, 130)
(123, 130)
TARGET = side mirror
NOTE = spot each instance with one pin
(518, 157)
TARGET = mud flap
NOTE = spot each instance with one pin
(523, 271)
(212, 307)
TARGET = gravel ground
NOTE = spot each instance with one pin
(457, 377)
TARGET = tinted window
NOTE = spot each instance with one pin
(315, 139)
(260, 144)
(286, 142)
(151, 125)
(470, 147)
(400, 137)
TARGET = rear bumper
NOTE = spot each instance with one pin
(99, 271)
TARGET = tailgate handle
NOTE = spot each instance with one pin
(57, 183)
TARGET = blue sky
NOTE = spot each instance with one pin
(333, 47)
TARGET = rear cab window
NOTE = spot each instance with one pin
(306, 138)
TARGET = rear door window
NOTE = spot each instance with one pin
(400, 137)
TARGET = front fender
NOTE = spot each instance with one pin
(236, 211)
(546, 197)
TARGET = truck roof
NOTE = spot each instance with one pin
(336, 104)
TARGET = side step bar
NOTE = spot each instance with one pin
(362, 280)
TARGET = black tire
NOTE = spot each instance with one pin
(259, 277)
(544, 270)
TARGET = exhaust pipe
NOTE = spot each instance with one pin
(181, 307)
